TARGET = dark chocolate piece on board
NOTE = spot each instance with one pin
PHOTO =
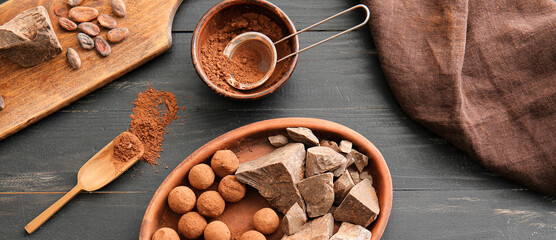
(29, 39)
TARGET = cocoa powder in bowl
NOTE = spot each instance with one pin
(225, 21)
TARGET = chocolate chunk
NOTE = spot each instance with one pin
(303, 135)
(2, 104)
(360, 159)
(278, 140)
(275, 175)
(330, 144)
(350, 231)
(317, 229)
(332, 209)
(366, 175)
(360, 206)
(293, 220)
(29, 39)
(318, 194)
(345, 146)
(322, 159)
(340, 170)
(354, 174)
(350, 159)
(342, 187)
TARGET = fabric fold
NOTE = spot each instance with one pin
(479, 73)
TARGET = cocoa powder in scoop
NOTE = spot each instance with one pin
(126, 146)
(153, 111)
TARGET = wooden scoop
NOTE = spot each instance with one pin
(100, 170)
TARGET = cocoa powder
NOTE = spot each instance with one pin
(244, 66)
(126, 146)
(153, 111)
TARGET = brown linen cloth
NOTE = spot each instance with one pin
(479, 73)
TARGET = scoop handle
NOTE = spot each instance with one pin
(367, 12)
(39, 220)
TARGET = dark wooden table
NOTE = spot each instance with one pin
(439, 192)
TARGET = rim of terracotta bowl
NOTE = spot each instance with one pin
(229, 3)
(156, 207)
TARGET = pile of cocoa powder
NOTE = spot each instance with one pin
(244, 64)
(153, 111)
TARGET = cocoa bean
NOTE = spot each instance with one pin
(73, 58)
(85, 41)
(107, 21)
(83, 14)
(2, 105)
(67, 24)
(102, 46)
(89, 28)
(117, 35)
(118, 6)
(74, 3)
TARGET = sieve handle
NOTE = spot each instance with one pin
(367, 12)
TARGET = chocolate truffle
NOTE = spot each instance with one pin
(231, 189)
(217, 230)
(181, 199)
(201, 176)
(192, 225)
(266, 220)
(252, 235)
(224, 162)
(165, 234)
(210, 204)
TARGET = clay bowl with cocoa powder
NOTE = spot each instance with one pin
(250, 142)
(222, 13)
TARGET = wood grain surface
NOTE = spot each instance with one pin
(33, 93)
(439, 192)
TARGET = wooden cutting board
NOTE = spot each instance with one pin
(33, 93)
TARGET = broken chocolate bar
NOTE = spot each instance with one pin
(29, 39)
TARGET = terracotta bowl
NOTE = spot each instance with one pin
(250, 142)
(223, 12)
